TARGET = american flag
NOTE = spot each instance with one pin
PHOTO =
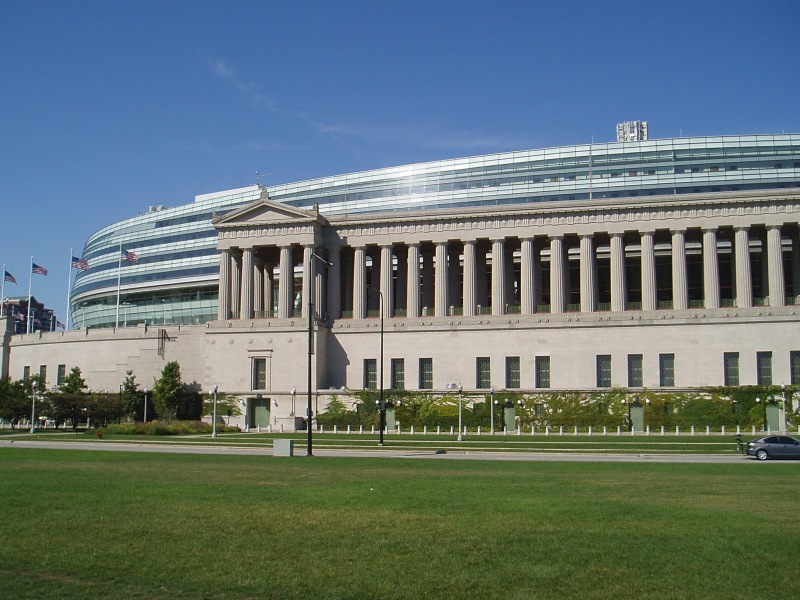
(10, 278)
(79, 263)
(130, 256)
(59, 324)
(39, 270)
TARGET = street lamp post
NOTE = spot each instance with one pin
(457, 386)
(33, 406)
(784, 426)
(309, 410)
(145, 405)
(294, 421)
(491, 406)
(214, 426)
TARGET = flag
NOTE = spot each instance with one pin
(39, 270)
(10, 278)
(79, 263)
(59, 324)
(130, 256)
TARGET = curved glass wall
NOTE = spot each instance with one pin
(175, 279)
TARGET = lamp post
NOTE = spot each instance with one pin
(784, 427)
(125, 306)
(758, 401)
(491, 406)
(382, 401)
(457, 386)
(145, 405)
(214, 426)
(294, 422)
(34, 385)
(309, 410)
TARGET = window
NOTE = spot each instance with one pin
(512, 372)
(764, 368)
(259, 373)
(538, 409)
(603, 370)
(666, 370)
(731, 368)
(61, 375)
(398, 374)
(542, 371)
(794, 367)
(42, 376)
(635, 370)
(26, 372)
(426, 373)
(370, 374)
(483, 372)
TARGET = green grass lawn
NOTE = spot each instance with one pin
(79, 524)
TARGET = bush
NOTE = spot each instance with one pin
(167, 428)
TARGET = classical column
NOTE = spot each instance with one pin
(710, 269)
(527, 282)
(428, 297)
(796, 266)
(744, 279)
(649, 284)
(469, 279)
(777, 287)
(412, 284)
(359, 283)
(557, 301)
(498, 277)
(387, 292)
(236, 285)
(440, 275)
(269, 272)
(224, 293)
(308, 280)
(680, 292)
(247, 284)
(334, 283)
(285, 283)
(588, 284)
(258, 289)
(619, 288)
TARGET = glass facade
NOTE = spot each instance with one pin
(175, 279)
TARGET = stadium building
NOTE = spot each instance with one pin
(654, 264)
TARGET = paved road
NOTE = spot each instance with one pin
(384, 453)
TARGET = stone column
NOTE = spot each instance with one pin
(247, 284)
(619, 288)
(557, 300)
(224, 293)
(236, 285)
(498, 277)
(285, 283)
(258, 289)
(588, 283)
(359, 283)
(412, 284)
(744, 279)
(308, 280)
(796, 266)
(440, 275)
(527, 281)
(710, 269)
(320, 292)
(649, 283)
(387, 292)
(777, 287)
(334, 283)
(469, 278)
(680, 292)
(269, 272)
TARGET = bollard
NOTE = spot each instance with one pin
(692, 429)
(452, 430)
(723, 430)
(335, 429)
(348, 430)
(576, 430)
(438, 430)
(322, 428)
(373, 430)
(547, 430)
(648, 430)
(619, 430)
(412, 430)
(505, 430)
(708, 430)
(519, 430)
(479, 429)
(590, 430)
(677, 430)
(425, 430)
(533, 430)
(560, 430)
(605, 430)
(360, 429)
(663, 430)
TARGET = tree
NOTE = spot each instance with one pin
(15, 401)
(168, 392)
(105, 408)
(227, 405)
(73, 383)
(132, 397)
(69, 407)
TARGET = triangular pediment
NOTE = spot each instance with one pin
(264, 212)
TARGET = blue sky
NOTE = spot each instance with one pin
(110, 106)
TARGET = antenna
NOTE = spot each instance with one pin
(258, 177)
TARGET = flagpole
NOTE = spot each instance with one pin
(30, 285)
(119, 279)
(69, 288)
(3, 293)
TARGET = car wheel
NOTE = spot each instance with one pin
(762, 455)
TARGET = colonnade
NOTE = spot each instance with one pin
(647, 269)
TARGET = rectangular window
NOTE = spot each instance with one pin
(538, 409)
(370, 374)
(794, 367)
(483, 372)
(666, 370)
(635, 370)
(398, 374)
(603, 370)
(512, 372)
(764, 368)
(426, 373)
(42, 376)
(61, 375)
(542, 372)
(259, 373)
(731, 368)
(26, 372)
